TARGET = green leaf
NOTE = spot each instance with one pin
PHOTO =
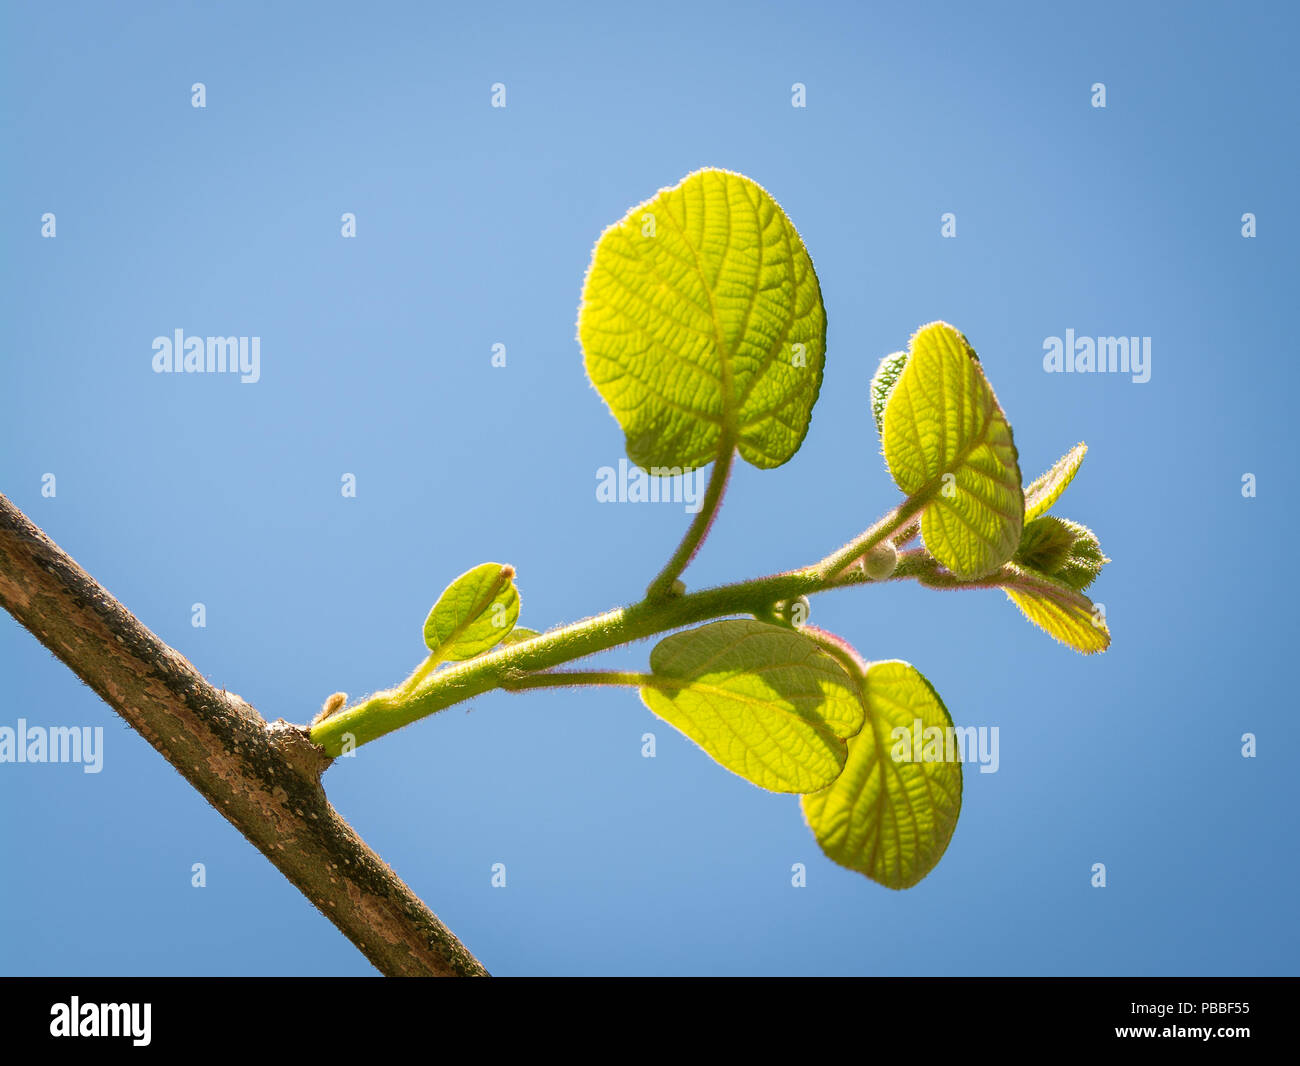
(474, 613)
(1046, 490)
(1061, 549)
(764, 701)
(948, 444)
(1058, 559)
(891, 813)
(702, 325)
(882, 384)
(519, 634)
(1060, 611)
(884, 380)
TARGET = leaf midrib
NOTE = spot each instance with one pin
(504, 577)
(728, 429)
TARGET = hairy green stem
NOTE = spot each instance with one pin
(908, 533)
(508, 665)
(385, 711)
(897, 519)
(576, 678)
(421, 672)
(699, 528)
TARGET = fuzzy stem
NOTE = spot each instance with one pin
(573, 679)
(421, 672)
(897, 519)
(699, 528)
(392, 709)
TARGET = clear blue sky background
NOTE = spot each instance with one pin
(474, 227)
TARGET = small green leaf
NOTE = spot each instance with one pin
(1046, 490)
(948, 443)
(702, 325)
(1059, 610)
(474, 613)
(891, 813)
(1058, 559)
(764, 701)
(1061, 549)
(520, 634)
(882, 384)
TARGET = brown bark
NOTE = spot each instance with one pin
(265, 779)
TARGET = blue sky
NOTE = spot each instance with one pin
(474, 227)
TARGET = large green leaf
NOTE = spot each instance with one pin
(702, 325)
(474, 613)
(948, 443)
(891, 813)
(763, 700)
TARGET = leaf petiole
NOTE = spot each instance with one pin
(662, 585)
(900, 518)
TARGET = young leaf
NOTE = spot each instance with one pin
(891, 813)
(882, 384)
(948, 443)
(762, 700)
(519, 634)
(1046, 490)
(474, 613)
(1060, 611)
(702, 325)
(1061, 549)
(1058, 559)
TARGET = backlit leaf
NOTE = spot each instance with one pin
(763, 700)
(1061, 549)
(1047, 489)
(1059, 610)
(519, 634)
(702, 325)
(474, 613)
(948, 443)
(882, 384)
(891, 813)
